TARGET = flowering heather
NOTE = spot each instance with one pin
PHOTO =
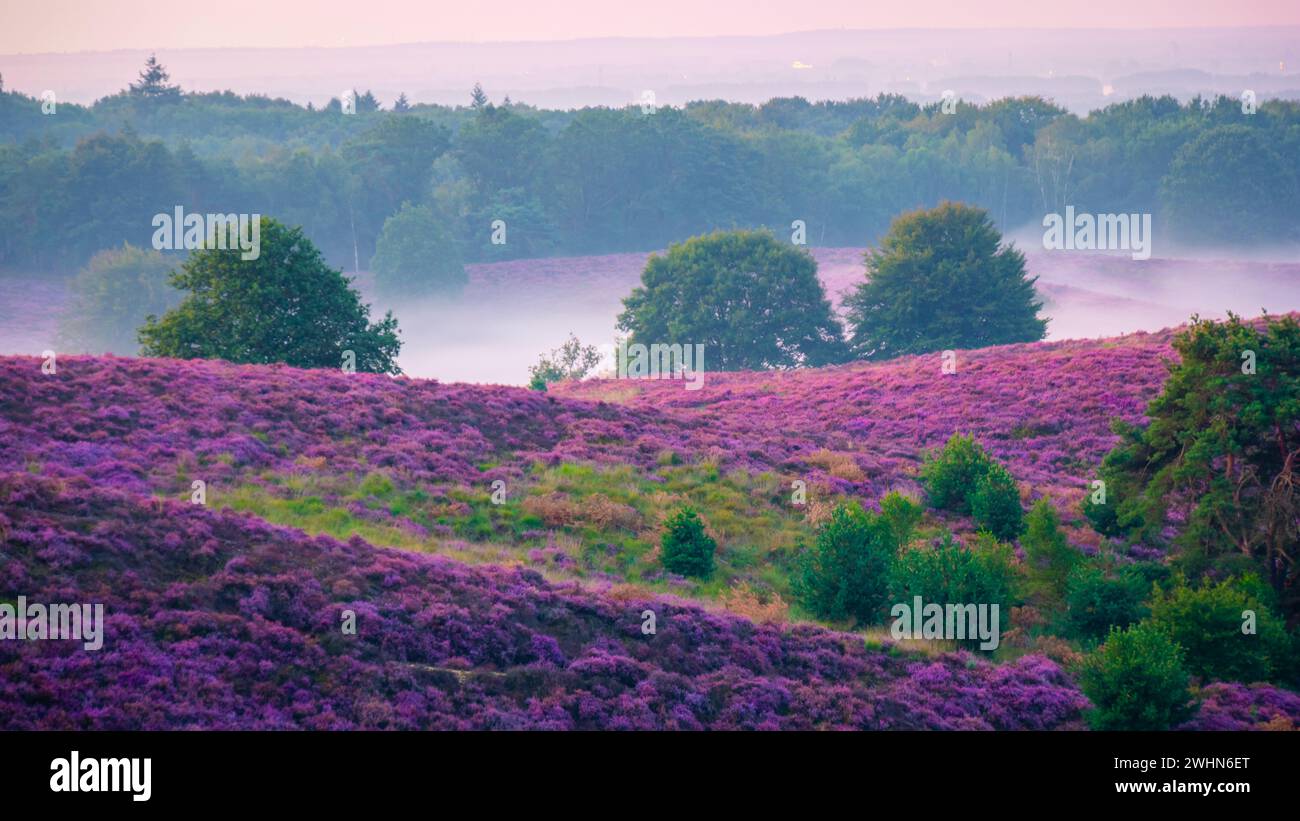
(218, 620)
(1043, 408)
(1233, 706)
(133, 422)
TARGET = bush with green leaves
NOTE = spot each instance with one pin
(949, 474)
(572, 360)
(1207, 621)
(416, 255)
(1099, 597)
(963, 478)
(845, 573)
(950, 573)
(902, 513)
(685, 549)
(116, 291)
(285, 306)
(1136, 681)
(1049, 558)
(995, 503)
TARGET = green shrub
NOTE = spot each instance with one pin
(1048, 554)
(1207, 622)
(903, 514)
(995, 503)
(1097, 599)
(949, 573)
(1104, 518)
(949, 475)
(845, 573)
(963, 478)
(685, 548)
(1136, 681)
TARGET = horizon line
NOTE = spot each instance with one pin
(657, 38)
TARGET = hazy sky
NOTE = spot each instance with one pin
(30, 26)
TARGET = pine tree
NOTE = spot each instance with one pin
(477, 97)
(153, 81)
(401, 104)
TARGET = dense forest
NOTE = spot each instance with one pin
(600, 180)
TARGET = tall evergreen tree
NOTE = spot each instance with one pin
(1221, 455)
(153, 82)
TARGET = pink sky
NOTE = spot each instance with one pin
(34, 26)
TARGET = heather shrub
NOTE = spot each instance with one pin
(1048, 554)
(685, 548)
(1098, 598)
(1136, 681)
(845, 574)
(995, 503)
(949, 475)
(1207, 621)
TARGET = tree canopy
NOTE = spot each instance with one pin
(1219, 456)
(753, 302)
(285, 306)
(416, 256)
(941, 279)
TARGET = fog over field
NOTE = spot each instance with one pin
(500, 328)
(514, 311)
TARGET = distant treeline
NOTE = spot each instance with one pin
(601, 180)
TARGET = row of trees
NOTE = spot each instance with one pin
(941, 279)
(604, 180)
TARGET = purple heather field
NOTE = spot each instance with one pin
(218, 619)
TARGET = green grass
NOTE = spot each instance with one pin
(749, 515)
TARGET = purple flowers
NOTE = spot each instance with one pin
(217, 620)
